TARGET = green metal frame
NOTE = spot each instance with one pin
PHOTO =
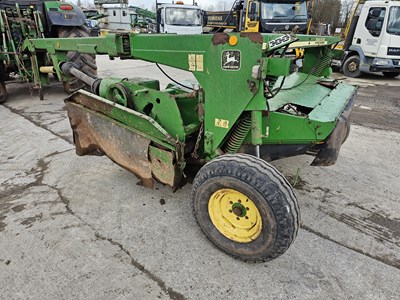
(227, 93)
(228, 102)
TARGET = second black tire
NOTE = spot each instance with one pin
(242, 176)
(351, 66)
(85, 62)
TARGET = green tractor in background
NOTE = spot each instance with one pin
(24, 19)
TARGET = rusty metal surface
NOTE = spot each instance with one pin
(255, 37)
(82, 99)
(220, 38)
(328, 84)
(143, 124)
(94, 134)
(163, 167)
(186, 95)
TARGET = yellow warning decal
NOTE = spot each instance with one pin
(192, 62)
(221, 123)
(196, 62)
(199, 62)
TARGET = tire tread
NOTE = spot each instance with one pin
(85, 62)
(288, 222)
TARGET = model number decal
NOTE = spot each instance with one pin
(279, 41)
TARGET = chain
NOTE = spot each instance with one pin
(197, 145)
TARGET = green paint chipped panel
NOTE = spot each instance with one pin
(333, 104)
(299, 89)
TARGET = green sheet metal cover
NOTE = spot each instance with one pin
(302, 89)
(299, 89)
(332, 106)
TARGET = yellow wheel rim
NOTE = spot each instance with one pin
(235, 215)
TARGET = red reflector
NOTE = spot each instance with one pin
(66, 7)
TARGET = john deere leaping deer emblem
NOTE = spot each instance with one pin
(231, 60)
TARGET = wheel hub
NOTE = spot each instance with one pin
(235, 215)
(239, 210)
(353, 66)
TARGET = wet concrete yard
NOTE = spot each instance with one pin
(81, 228)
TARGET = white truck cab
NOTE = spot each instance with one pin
(375, 45)
(179, 19)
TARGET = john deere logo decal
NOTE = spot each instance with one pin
(231, 60)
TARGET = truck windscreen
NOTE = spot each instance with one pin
(394, 21)
(284, 11)
(183, 17)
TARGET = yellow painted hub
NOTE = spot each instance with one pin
(235, 215)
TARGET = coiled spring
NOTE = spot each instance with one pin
(239, 134)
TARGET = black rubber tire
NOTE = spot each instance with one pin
(3, 77)
(3, 92)
(355, 59)
(391, 74)
(85, 62)
(266, 187)
(348, 129)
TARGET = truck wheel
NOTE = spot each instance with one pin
(351, 67)
(245, 207)
(390, 74)
(86, 62)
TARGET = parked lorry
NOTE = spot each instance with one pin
(23, 19)
(118, 15)
(372, 40)
(250, 105)
(264, 16)
(179, 18)
(116, 18)
(169, 18)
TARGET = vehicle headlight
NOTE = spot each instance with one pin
(381, 62)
